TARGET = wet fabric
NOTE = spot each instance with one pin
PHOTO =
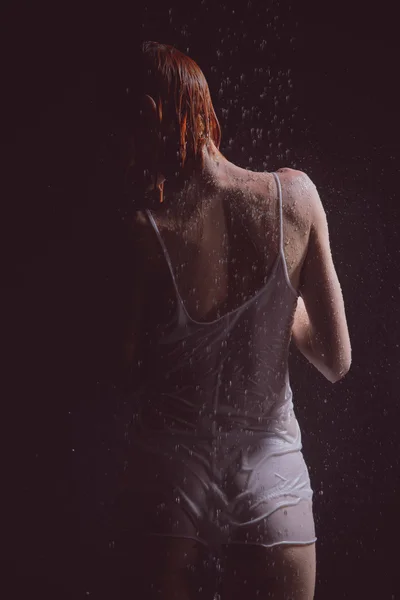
(216, 447)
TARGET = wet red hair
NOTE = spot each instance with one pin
(182, 97)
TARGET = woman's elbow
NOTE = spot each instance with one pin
(339, 370)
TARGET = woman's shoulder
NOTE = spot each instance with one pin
(299, 193)
(297, 182)
(294, 184)
(288, 176)
(293, 176)
(297, 200)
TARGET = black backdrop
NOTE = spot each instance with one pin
(320, 82)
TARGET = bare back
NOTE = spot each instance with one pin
(224, 249)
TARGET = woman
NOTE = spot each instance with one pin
(230, 265)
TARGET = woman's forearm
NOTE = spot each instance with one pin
(308, 342)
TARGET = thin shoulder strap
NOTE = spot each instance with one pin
(278, 185)
(282, 253)
(164, 249)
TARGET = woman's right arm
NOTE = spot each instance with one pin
(320, 328)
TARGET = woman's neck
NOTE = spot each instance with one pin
(203, 177)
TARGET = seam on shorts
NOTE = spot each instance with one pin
(285, 542)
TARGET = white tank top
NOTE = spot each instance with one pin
(212, 379)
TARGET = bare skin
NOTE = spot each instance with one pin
(281, 573)
(228, 192)
(218, 195)
(251, 572)
(166, 569)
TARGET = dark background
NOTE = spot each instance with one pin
(330, 108)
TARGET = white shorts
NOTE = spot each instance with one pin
(252, 489)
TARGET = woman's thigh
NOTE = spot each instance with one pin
(162, 567)
(283, 572)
